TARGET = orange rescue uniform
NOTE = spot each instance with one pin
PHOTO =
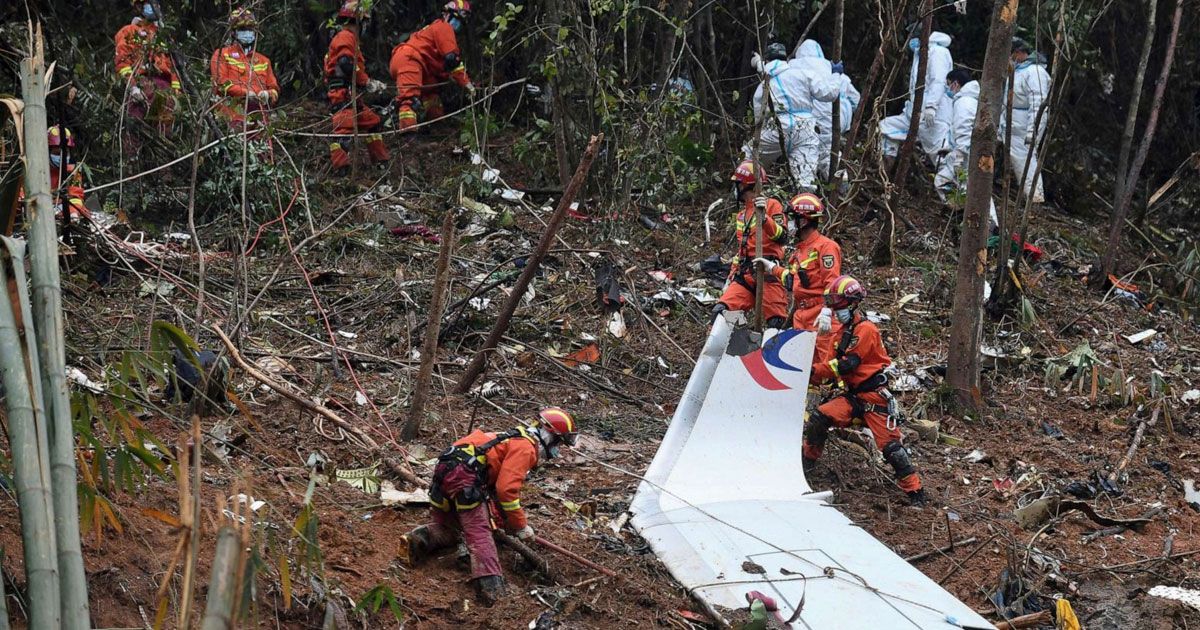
(429, 57)
(815, 262)
(508, 463)
(142, 60)
(863, 385)
(739, 295)
(350, 113)
(237, 78)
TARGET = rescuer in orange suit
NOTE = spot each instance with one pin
(480, 472)
(242, 77)
(346, 79)
(66, 190)
(144, 66)
(814, 263)
(739, 294)
(429, 57)
(853, 358)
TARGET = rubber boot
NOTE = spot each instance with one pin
(917, 498)
(414, 546)
(491, 589)
(462, 556)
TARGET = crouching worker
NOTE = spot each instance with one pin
(855, 364)
(479, 470)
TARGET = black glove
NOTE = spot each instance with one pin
(803, 275)
(849, 363)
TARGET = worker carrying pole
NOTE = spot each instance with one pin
(480, 472)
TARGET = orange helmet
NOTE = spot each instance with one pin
(461, 8)
(242, 19)
(559, 423)
(354, 10)
(748, 173)
(59, 136)
(844, 292)
(807, 206)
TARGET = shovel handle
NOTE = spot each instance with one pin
(574, 556)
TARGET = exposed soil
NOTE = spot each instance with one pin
(624, 403)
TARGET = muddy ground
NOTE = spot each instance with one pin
(376, 288)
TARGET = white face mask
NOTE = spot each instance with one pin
(844, 315)
(245, 38)
(148, 12)
(455, 24)
(55, 160)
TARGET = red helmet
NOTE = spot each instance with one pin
(59, 136)
(461, 8)
(807, 206)
(844, 292)
(745, 174)
(558, 422)
(354, 10)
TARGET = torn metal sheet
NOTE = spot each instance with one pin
(727, 490)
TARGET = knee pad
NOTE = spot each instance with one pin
(777, 322)
(896, 455)
(721, 307)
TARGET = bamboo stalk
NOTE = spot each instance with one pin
(48, 321)
(30, 448)
(222, 584)
(3, 602)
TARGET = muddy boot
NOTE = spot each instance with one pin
(917, 498)
(414, 546)
(491, 589)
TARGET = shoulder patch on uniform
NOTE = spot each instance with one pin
(827, 260)
(853, 342)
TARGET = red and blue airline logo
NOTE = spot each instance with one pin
(756, 362)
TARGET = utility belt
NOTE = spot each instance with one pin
(859, 408)
(460, 475)
(746, 270)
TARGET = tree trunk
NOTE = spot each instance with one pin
(437, 305)
(965, 325)
(918, 97)
(836, 137)
(999, 285)
(1135, 100)
(1121, 209)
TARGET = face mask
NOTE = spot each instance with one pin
(245, 38)
(148, 12)
(55, 160)
(914, 44)
(843, 315)
(455, 24)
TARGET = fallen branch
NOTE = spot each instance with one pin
(521, 548)
(1026, 621)
(1133, 446)
(946, 549)
(292, 395)
(574, 556)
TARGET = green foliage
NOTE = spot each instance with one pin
(501, 23)
(375, 599)
(305, 531)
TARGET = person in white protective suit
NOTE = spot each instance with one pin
(952, 169)
(810, 57)
(792, 127)
(931, 132)
(1031, 87)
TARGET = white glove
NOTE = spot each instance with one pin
(375, 86)
(470, 88)
(767, 264)
(825, 320)
(760, 202)
(525, 533)
(929, 116)
(1029, 136)
(136, 94)
(264, 97)
(756, 62)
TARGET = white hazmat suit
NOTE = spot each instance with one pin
(810, 57)
(932, 130)
(951, 174)
(1031, 87)
(792, 128)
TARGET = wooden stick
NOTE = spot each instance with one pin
(475, 367)
(933, 552)
(574, 556)
(290, 394)
(437, 303)
(1026, 621)
(1133, 446)
(521, 548)
(958, 566)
